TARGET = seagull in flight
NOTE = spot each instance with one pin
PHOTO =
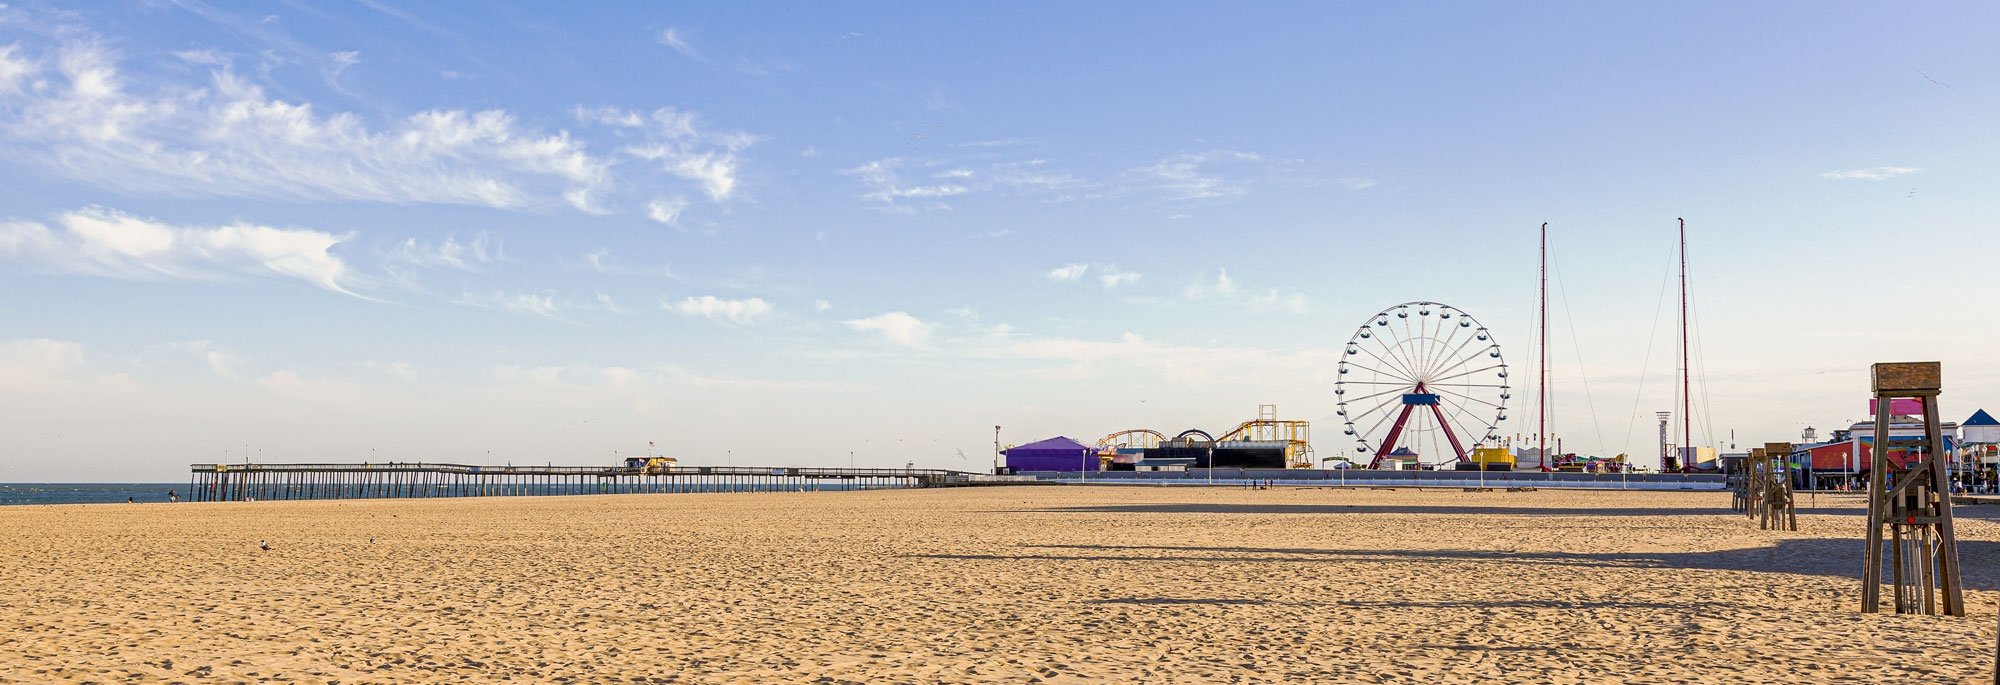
(1927, 77)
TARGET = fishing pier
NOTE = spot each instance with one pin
(249, 482)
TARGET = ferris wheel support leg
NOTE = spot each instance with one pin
(1389, 443)
(1446, 426)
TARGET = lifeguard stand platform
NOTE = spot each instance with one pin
(1911, 500)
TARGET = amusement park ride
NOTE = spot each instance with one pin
(1434, 377)
(1267, 427)
(1425, 385)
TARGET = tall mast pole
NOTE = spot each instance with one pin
(1687, 402)
(1542, 376)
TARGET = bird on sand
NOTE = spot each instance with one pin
(264, 545)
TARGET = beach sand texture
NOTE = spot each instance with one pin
(975, 585)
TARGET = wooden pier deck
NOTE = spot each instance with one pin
(248, 482)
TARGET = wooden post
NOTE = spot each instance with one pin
(1780, 510)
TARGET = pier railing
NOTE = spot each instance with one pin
(249, 481)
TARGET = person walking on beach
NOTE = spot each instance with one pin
(173, 497)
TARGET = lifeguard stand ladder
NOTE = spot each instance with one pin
(1777, 511)
(1740, 485)
(1912, 500)
(1753, 486)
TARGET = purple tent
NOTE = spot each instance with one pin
(1054, 454)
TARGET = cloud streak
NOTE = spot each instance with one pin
(228, 138)
(1879, 173)
(896, 327)
(103, 242)
(741, 312)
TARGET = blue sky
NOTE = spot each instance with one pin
(777, 234)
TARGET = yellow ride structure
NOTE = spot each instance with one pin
(1296, 434)
(1267, 427)
(1110, 447)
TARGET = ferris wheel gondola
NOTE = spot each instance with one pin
(1423, 376)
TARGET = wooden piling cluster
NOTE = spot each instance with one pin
(1768, 487)
(246, 482)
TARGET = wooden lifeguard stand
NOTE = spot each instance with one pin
(1743, 484)
(1774, 496)
(1912, 500)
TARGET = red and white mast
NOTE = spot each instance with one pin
(1687, 402)
(1542, 374)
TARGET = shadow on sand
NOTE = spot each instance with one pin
(1423, 510)
(1839, 558)
(1412, 604)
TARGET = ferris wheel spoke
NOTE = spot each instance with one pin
(1469, 397)
(1364, 414)
(1406, 381)
(1455, 355)
(1406, 375)
(1378, 423)
(1461, 364)
(1469, 414)
(1394, 358)
(1459, 409)
(1416, 355)
(1447, 343)
(1466, 373)
(1399, 391)
(1399, 351)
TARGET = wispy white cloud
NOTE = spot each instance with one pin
(14, 69)
(1294, 302)
(607, 304)
(39, 358)
(1180, 363)
(341, 61)
(451, 253)
(543, 303)
(897, 327)
(678, 144)
(821, 305)
(666, 210)
(104, 242)
(740, 311)
(602, 261)
(1109, 275)
(883, 182)
(219, 362)
(1220, 286)
(675, 38)
(1356, 182)
(885, 185)
(1225, 290)
(1870, 174)
(1112, 277)
(1068, 272)
(1195, 176)
(206, 58)
(228, 138)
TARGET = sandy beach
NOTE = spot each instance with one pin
(1001, 585)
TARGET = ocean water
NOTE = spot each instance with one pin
(86, 493)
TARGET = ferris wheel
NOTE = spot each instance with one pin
(1425, 377)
